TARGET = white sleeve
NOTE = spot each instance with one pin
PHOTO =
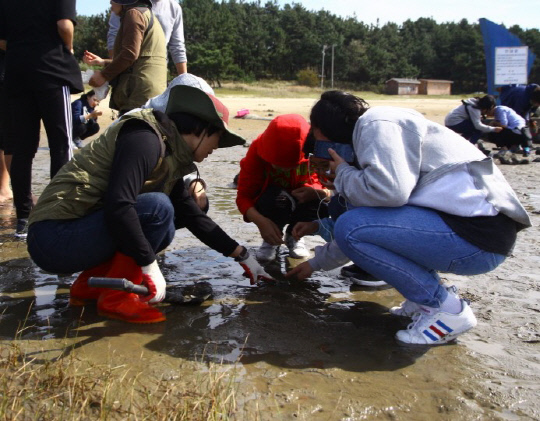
(328, 257)
(176, 45)
(476, 118)
(114, 25)
(389, 159)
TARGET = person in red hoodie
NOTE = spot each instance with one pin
(276, 187)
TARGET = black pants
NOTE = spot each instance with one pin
(25, 111)
(507, 138)
(278, 208)
(84, 130)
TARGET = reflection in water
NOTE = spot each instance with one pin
(45, 292)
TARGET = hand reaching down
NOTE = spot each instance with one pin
(155, 282)
(254, 271)
(302, 271)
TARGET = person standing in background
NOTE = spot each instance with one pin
(138, 69)
(169, 15)
(5, 190)
(41, 73)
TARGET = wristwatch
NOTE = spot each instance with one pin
(242, 256)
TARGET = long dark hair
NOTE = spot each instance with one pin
(487, 102)
(336, 113)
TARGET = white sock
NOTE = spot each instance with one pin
(452, 304)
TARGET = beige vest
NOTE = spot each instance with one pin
(147, 77)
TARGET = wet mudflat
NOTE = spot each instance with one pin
(321, 349)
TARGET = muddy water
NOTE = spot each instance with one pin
(322, 349)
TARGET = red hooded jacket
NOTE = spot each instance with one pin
(279, 145)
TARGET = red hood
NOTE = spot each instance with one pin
(281, 143)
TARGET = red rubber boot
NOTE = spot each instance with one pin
(122, 305)
(80, 293)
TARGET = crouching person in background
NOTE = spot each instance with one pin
(85, 117)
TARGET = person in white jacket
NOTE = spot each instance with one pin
(420, 199)
(466, 119)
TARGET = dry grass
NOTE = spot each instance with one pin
(284, 89)
(270, 89)
(73, 389)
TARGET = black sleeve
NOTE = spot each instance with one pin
(138, 150)
(188, 214)
(66, 9)
(3, 31)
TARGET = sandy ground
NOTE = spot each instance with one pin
(322, 349)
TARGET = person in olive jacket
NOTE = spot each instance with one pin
(120, 200)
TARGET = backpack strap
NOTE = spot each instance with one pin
(466, 109)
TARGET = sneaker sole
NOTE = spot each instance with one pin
(365, 283)
(452, 341)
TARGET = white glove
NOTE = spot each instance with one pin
(155, 282)
(253, 270)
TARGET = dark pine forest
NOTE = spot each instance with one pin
(249, 41)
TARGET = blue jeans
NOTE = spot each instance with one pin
(73, 245)
(405, 246)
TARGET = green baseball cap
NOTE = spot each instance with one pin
(191, 100)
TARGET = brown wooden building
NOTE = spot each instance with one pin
(402, 86)
(435, 87)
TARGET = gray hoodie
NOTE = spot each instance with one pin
(405, 159)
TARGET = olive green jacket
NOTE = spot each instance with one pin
(78, 189)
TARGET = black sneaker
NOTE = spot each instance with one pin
(360, 277)
(22, 228)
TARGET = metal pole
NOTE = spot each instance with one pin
(332, 72)
(322, 67)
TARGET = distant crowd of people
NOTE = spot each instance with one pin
(399, 196)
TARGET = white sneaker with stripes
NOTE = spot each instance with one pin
(432, 327)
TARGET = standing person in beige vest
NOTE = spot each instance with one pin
(138, 70)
